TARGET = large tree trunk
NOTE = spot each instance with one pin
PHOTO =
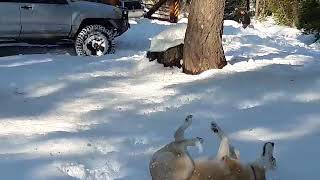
(203, 43)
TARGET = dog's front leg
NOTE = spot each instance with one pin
(179, 134)
(191, 142)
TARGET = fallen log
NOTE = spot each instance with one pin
(171, 57)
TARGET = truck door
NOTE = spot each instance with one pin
(45, 18)
(9, 19)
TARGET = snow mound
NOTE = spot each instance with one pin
(260, 32)
(168, 38)
(316, 45)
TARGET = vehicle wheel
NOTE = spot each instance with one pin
(94, 40)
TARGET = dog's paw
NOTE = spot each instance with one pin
(199, 144)
(189, 118)
(214, 127)
(200, 140)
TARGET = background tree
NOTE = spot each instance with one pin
(203, 42)
(309, 16)
(248, 5)
(261, 9)
(303, 14)
(257, 8)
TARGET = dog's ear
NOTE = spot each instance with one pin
(267, 160)
(233, 165)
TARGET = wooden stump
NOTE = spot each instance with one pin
(112, 2)
(169, 58)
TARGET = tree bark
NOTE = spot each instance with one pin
(248, 5)
(257, 8)
(203, 43)
(295, 12)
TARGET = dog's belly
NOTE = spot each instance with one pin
(168, 166)
(211, 170)
(184, 167)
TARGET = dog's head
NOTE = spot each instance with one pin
(267, 160)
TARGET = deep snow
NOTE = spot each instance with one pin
(67, 117)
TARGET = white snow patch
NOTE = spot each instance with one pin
(168, 38)
(109, 171)
(305, 128)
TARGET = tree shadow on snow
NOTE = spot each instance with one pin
(26, 49)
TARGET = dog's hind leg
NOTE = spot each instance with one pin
(179, 134)
(225, 148)
(217, 130)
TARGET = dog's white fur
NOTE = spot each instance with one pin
(173, 162)
(225, 148)
(227, 166)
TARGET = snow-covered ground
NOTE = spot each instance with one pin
(68, 117)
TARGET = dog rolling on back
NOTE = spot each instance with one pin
(173, 162)
(227, 166)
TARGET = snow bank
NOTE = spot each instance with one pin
(175, 35)
(168, 38)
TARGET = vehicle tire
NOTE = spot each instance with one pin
(94, 40)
